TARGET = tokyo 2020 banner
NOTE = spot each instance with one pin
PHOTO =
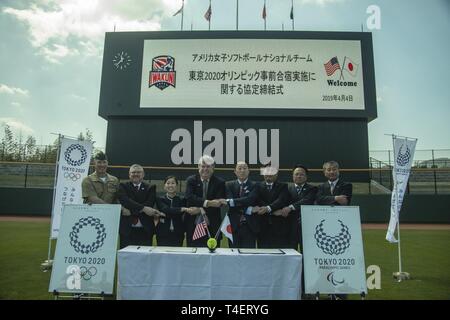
(85, 254)
(333, 252)
(73, 166)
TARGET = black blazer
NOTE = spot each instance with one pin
(194, 198)
(172, 209)
(276, 198)
(135, 201)
(307, 196)
(242, 203)
(324, 196)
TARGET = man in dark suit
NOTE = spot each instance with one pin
(335, 191)
(139, 198)
(272, 196)
(204, 190)
(240, 196)
(300, 193)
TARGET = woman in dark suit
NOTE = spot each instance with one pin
(170, 230)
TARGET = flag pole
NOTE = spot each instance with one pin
(220, 227)
(203, 213)
(218, 230)
(209, 28)
(293, 17)
(342, 69)
(237, 15)
(398, 216)
(265, 16)
(182, 15)
(400, 275)
(47, 264)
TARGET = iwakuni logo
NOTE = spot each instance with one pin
(163, 72)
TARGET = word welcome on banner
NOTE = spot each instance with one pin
(333, 250)
(85, 256)
(252, 73)
(73, 166)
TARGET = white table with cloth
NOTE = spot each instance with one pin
(169, 273)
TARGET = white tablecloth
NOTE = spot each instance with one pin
(161, 273)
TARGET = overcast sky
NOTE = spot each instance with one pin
(51, 57)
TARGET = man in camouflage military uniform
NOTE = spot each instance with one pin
(100, 187)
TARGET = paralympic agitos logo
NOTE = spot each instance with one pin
(163, 72)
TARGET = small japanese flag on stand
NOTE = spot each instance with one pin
(226, 228)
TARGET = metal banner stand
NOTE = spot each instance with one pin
(47, 264)
(78, 296)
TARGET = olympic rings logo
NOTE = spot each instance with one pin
(88, 273)
(72, 176)
(68, 155)
(100, 232)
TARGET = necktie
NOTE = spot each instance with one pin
(269, 187)
(205, 189)
(299, 189)
(134, 218)
(241, 190)
(332, 187)
(241, 194)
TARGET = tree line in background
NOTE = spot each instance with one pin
(18, 148)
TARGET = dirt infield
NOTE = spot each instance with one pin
(366, 226)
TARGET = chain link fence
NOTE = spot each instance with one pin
(374, 180)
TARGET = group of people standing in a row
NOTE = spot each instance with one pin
(262, 214)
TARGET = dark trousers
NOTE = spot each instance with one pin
(244, 237)
(295, 233)
(137, 237)
(273, 239)
(171, 239)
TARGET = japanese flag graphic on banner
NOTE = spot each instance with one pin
(226, 228)
(350, 66)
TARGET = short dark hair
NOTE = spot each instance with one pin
(171, 177)
(100, 156)
(331, 163)
(298, 165)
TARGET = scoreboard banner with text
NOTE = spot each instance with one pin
(252, 73)
(264, 74)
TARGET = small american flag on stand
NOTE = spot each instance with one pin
(331, 66)
(200, 230)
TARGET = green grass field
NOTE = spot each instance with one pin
(24, 245)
